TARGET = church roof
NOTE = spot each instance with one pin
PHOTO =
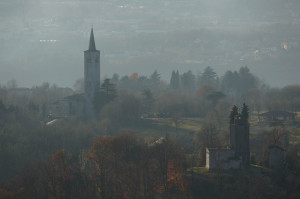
(92, 46)
(75, 97)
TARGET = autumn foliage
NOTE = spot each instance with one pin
(113, 167)
(120, 167)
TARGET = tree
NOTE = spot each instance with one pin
(169, 175)
(124, 110)
(247, 80)
(206, 137)
(215, 96)
(124, 82)
(230, 83)
(106, 94)
(209, 76)
(177, 80)
(147, 99)
(108, 88)
(2, 106)
(101, 159)
(254, 99)
(277, 136)
(234, 112)
(174, 82)
(115, 78)
(245, 112)
(79, 86)
(204, 90)
(60, 176)
(121, 168)
(155, 80)
(188, 81)
(134, 76)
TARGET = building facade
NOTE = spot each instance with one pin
(222, 158)
(276, 156)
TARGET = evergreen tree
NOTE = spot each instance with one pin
(155, 80)
(115, 78)
(172, 81)
(108, 88)
(229, 82)
(245, 112)
(147, 99)
(247, 79)
(177, 80)
(209, 76)
(106, 94)
(188, 81)
(234, 112)
(155, 77)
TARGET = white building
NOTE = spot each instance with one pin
(222, 158)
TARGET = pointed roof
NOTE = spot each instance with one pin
(92, 45)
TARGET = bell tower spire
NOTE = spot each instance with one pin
(92, 46)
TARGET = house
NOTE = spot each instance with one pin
(222, 158)
(276, 156)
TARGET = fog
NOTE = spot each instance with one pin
(43, 40)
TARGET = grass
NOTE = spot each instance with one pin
(295, 136)
(255, 166)
(167, 125)
(198, 170)
(188, 124)
(154, 128)
(253, 119)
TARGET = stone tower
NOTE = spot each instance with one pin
(91, 74)
(239, 138)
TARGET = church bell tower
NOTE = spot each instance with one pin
(91, 74)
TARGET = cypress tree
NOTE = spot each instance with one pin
(245, 112)
(172, 81)
(234, 112)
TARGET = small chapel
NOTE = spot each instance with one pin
(82, 104)
(237, 154)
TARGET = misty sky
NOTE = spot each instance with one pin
(43, 40)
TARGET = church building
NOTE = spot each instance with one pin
(82, 104)
(91, 74)
(237, 154)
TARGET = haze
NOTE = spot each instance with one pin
(43, 40)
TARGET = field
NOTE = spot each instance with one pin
(153, 128)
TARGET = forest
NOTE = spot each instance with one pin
(147, 139)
